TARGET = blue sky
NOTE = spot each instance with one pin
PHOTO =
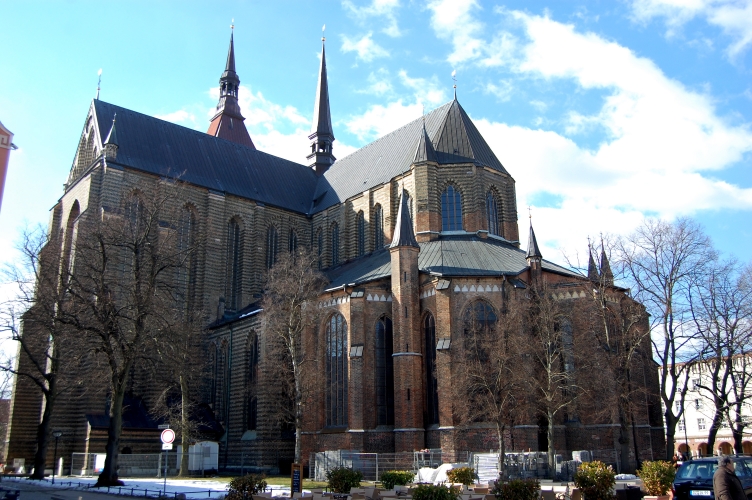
(604, 112)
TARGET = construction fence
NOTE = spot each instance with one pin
(146, 465)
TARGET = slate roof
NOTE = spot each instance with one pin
(454, 137)
(403, 226)
(163, 148)
(449, 256)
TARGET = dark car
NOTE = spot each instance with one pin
(694, 479)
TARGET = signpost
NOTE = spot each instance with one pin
(167, 437)
(296, 479)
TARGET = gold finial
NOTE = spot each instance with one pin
(232, 24)
(530, 212)
(454, 79)
(323, 29)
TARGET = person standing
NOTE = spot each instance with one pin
(726, 484)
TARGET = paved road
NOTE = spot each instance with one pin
(33, 490)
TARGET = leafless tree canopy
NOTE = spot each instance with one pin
(293, 286)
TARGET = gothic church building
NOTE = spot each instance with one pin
(412, 231)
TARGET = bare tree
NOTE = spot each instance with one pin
(550, 359)
(121, 290)
(32, 319)
(660, 261)
(721, 307)
(292, 288)
(490, 381)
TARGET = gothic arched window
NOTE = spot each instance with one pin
(432, 383)
(361, 227)
(69, 243)
(378, 228)
(335, 244)
(451, 209)
(292, 241)
(221, 381)
(492, 212)
(252, 382)
(234, 265)
(336, 371)
(320, 247)
(479, 322)
(271, 246)
(185, 275)
(384, 373)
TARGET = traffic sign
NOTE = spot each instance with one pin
(168, 436)
(163, 426)
(166, 446)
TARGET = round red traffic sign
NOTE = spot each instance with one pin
(168, 436)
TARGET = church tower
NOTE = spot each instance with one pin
(408, 359)
(322, 135)
(228, 122)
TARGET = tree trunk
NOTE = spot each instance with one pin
(184, 437)
(109, 475)
(671, 422)
(551, 460)
(626, 465)
(500, 435)
(43, 434)
(711, 436)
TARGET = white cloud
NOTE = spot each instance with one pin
(377, 120)
(379, 83)
(658, 141)
(501, 90)
(181, 117)
(733, 17)
(259, 111)
(367, 50)
(453, 20)
(377, 8)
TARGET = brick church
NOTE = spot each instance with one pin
(412, 231)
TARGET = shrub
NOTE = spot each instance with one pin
(342, 479)
(243, 487)
(596, 480)
(391, 478)
(462, 475)
(435, 492)
(516, 489)
(657, 476)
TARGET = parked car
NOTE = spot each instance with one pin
(694, 478)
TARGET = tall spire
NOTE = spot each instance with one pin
(403, 227)
(228, 121)
(592, 269)
(322, 135)
(606, 275)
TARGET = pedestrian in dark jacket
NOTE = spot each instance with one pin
(725, 483)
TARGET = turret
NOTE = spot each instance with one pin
(533, 256)
(407, 350)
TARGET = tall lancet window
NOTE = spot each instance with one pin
(335, 244)
(234, 265)
(384, 373)
(292, 241)
(492, 212)
(361, 227)
(336, 371)
(185, 276)
(252, 382)
(432, 383)
(451, 210)
(320, 247)
(271, 246)
(378, 228)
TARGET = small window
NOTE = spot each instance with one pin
(698, 404)
(378, 228)
(701, 424)
(361, 234)
(681, 425)
(696, 384)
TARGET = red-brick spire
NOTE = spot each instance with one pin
(228, 122)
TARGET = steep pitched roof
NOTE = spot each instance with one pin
(452, 132)
(425, 150)
(449, 256)
(403, 229)
(532, 246)
(163, 148)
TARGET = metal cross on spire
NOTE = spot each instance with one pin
(99, 82)
(323, 32)
(454, 79)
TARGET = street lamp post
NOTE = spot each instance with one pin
(57, 435)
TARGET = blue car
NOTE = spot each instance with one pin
(694, 478)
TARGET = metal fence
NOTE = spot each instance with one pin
(136, 465)
(373, 464)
